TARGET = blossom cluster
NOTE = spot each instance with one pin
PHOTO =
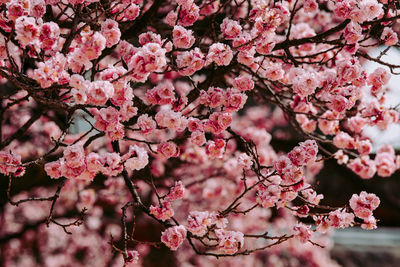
(77, 164)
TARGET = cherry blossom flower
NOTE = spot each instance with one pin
(377, 79)
(9, 164)
(230, 28)
(176, 192)
(364, 167)
(243, 83)
(110, 30)
(189, 14)
(189, 62)
(197, 222)
(132, 256)
(163, 212)
(136, 158)
(219, 53)
(353, 32)
(99, 92)
(174, 236)
(53, 169)
(340, 219)
(302, 232)
(229, 241)
(146, 124)
(182, 37)
(168, 149)
(27, 31)
(215, 149)
(364, 204)
(389, 36)
(268, 196)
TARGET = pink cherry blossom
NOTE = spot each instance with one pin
(188, 14)
(343, 8)
(215, 149)
(230, 28)
(182, 37)
(132, 256)
(111, 164)
(377, 79)
(27, 31)
(53, 169)
(369, 9)
(9, 164)
(282, 164)
(220, 54)
(171, 119)
(106, 118)
(268, 196)
(162, 94)
(305, 84)
(136, 159)
(198, 138)
(189, 62)
(369, 224)
(49, 35)
(146, 124)
(364, 204)
(150, 37)
(210, 8)
(304, 154)
(174, 236)
(168, 149)
(179, 116)
(197, 222)
(356, 124)
(341, 157)
(17, 9)
(310, 5)
(245, 161)
(229, 241)
(214, 97)
(51, 71)
(110, 30)
(93, 162)
(385, 163)
(328, 123)
(389, 37)
(171, 18)
(74, 155)
(302, 232)
(344, 140)
(243, 83)
(99, 92)
(194, 125)
(348, 70)
(93, 45)
(176, 192)
(87, 198)
(234, 100)
(364, 167)
(163, 212)
(242, 42)
(364, 147)
(132, 12)
(353, 32)
(340, 219)
(274, 72)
